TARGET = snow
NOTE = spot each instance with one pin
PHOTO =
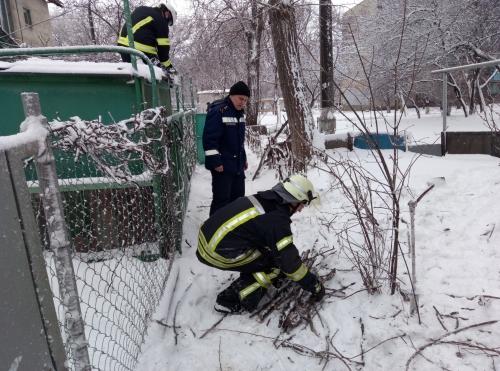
(110, 308)
(31, 129)
(70, 182)
(213, 91)
(458, 275)
(424, 131)
(43, 65)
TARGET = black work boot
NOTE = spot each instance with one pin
(228, 300)
(251, 302)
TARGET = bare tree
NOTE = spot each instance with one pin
(285, 42)
(370, 214)
(220, 33)
(254, 37)
(439, 33)
(84, 22)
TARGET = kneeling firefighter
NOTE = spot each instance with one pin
(252, 235)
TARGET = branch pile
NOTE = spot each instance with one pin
(294, 305)
(111, 147)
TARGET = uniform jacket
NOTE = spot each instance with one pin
(150, 31)
(224, 138)
(249, 228)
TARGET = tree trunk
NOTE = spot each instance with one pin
(473, 85)
(326, 53)
(327, 118)
(300, 120)
(458, 93)
(254, 36)
(417, 109)
(93, 36)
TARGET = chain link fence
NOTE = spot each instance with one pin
(124, 192)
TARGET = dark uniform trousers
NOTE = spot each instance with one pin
(226, 187)
(231, 296)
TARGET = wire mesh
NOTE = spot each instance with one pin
(124, 190)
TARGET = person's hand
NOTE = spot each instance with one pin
(319, 292)
(170, 70)
(219, 168)
(155, 62)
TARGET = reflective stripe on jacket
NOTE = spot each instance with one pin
(249, 228)
(150, 31)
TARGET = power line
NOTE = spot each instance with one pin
(36, 24)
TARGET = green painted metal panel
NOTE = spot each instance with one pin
(63, 96)
(200, 124)
(108, 97)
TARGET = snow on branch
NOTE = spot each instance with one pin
(111, 147)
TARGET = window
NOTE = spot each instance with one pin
(27, 17)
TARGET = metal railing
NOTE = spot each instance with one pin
(82, 49)
(445, 72)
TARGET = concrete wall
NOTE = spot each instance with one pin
(4, 16)
(39, 34)
(473, 143)
(208, 96)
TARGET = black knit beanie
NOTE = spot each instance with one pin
(240, 88)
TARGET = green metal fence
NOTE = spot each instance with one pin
(125, 186)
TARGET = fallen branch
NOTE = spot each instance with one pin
(438, 340)
(268, 148)
(114, 147)
(214, 325)
(176, 308)
(292, 303)
(473, 297)
(438, 316)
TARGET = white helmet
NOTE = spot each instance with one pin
(168, 6)
(297, 189)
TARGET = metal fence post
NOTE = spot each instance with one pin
(177, 98)
(59, 240)
(413, 298)
(445, 110)
(191, 92)
(182, 93)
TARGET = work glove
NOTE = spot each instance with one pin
(170, 70)
(156, 62)
(319, 292)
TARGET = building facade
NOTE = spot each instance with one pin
(25, 22)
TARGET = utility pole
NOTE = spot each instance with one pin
(326, 121)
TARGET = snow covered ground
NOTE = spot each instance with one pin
(458, 281)
(426, 130)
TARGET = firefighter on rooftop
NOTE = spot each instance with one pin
(150, 27)
(252, 235)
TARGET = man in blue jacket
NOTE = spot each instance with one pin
(224, 145)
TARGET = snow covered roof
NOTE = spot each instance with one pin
(220, 91)
(51, 66)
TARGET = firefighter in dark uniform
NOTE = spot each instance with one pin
(150, 30)
(252, 235)
(224, 145)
